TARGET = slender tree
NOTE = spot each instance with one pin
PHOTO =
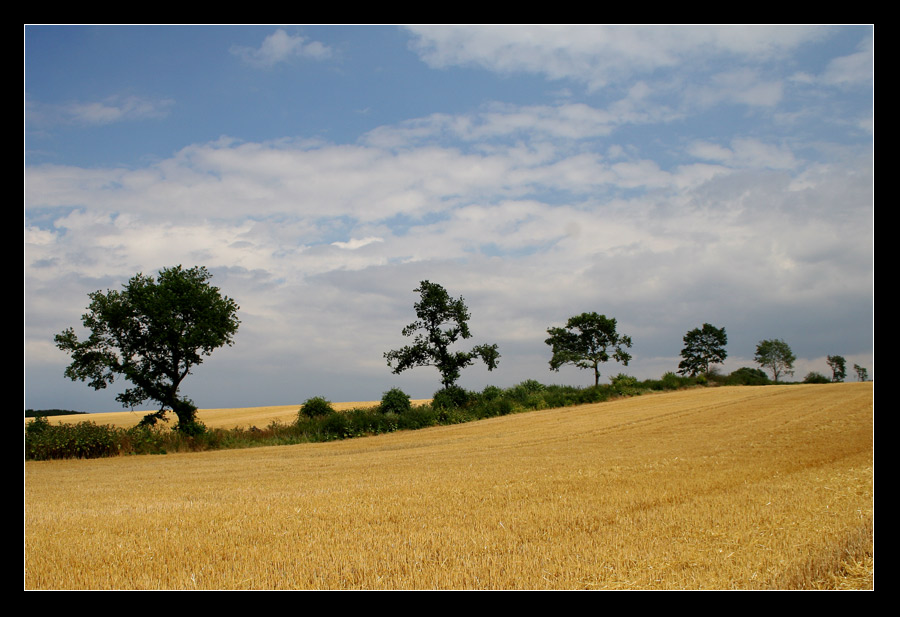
(775, 355)
(838, 366)
(441, 322)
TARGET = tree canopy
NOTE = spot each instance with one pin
(776, 356)
(441, 322)
(152, 333)
(702, 347)
(838, 366)
(586, 342)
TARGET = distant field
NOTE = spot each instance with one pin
(213, 418)
(719, 488)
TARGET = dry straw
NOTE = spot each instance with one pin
(718, 488)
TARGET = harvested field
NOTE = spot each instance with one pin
(718, 488)
(213, 418)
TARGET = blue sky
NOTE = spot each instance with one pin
(664, 176)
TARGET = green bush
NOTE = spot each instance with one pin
(491, 393)
(746, 376)
(670, 381)
(451, 397)
(191, 428)
(396, 401)
(37, 427)
(624, 385)
(45, 441)
(532, 386)
(315, 407)
(418, 417)
(527, 394)
(144, 440)
(815, 377)
(336, 426)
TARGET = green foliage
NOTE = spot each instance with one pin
(702, 347)
(45, 441)
(491, 393)
(441, 322)
(152, 333)
(418, 417)
(37, 427)
(586, 342)
(451, 397)
(336, 426)
(861, 373)
(190, 428)
(152, 419)
(775, 355)
(532, 386)
(315, 407)
(815, 377)
(395, 400)
(746, 376)
(838, 366)
(671, 381)
(624, 385)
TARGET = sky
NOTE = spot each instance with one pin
(663, 176)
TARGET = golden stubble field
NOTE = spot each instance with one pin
(720, 488)
(213, 418)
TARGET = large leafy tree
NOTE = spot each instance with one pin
(776, 356)
(838, 366)
(586, 341)
(442, 321)
(152, 333)
(702, 347)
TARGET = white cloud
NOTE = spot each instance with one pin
(281, 47)
(742, 86)
(598, 55)
(567, 122)
(357, 243)
(316, 238)
(854, 69)
(111, 110)
(746, 153)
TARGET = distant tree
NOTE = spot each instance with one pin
(702, 347)
(861, 373)
(586, 342)
(152, 333)
(775, 355)
(441, 322)
(838, 366)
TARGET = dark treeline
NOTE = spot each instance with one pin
(34, 413)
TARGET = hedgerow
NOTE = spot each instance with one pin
(318, 421)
